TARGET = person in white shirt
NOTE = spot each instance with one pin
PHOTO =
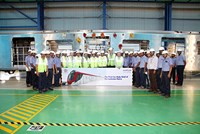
(119, 60)
(152, 66)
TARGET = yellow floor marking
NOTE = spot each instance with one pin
(12, 125)
(36, 113)
(16, 115)
(5, 129)
(38, 100)
(35, 103)
(22, 113)
(42, 99)
(29, 105)
(24, 110)
(33, 109)
(10, 118)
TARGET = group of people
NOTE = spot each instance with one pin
(150, 70)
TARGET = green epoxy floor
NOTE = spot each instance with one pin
(105, 106)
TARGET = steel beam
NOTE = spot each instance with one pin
(40, 15)
(168, 16)
(104, 15)
(23, 14)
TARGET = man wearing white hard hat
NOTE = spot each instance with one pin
(160, 59)
(93, 60)
(111, 58)
(143, 69)
(57, 75)
(173, 74)
(136, 69)
(28, 69)
(152, 67)
(118, 60)
(126, 60)
(165, 74)
(71, 60)
(51, 69)
(86, 60)
(180, 66)
(77, 60)
(42, 72)
(102, 60)
(64, 59)
(33, 69)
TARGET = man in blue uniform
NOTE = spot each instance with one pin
(136, 64)
(51, 64)
(28, 69)
(33, 69)
(57, 75)
(173, 74)
(143, 69)
(180, 66)
(165, 74)
(126, 60)
(158, 72)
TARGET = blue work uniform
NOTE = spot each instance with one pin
(165, 85)
(173, 73)
(132, 59)
(137, 71)
(28, 73)
(180, 66)
(158, 72)
(51, 63)
(57, 75)
(34, 77)
(126, 62)
(143, 61)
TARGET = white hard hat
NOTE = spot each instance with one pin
(152, 50)
(148, 51)
(64, 52)
(43, 52)
(179, 50)
(161, 48)
(141, 51)
(52, 52)
(131, 52)
(29, 50)
(165, 52)
(34, 52)
(47, 52)
(102, 51)
(174, 53)
(58, 52)
(98, 53)
(157, 52)
(126, 52)
(71, 51)
(110, 48)
(93, 52)
(38, 55)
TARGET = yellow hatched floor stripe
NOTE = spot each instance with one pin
(16, 115)
(23, 112)
(29, 105)
(26, 107)
(104, 125)
(35, 103)
(12, 125)
(5, 129)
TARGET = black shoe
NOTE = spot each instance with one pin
(40, 92)
(167, 96)
(150, 90)
(51, 89)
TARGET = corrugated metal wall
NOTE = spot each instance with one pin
(123, 15)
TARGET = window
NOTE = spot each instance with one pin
(20, 49)
(198, 47)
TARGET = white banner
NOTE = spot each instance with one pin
(97, 76)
